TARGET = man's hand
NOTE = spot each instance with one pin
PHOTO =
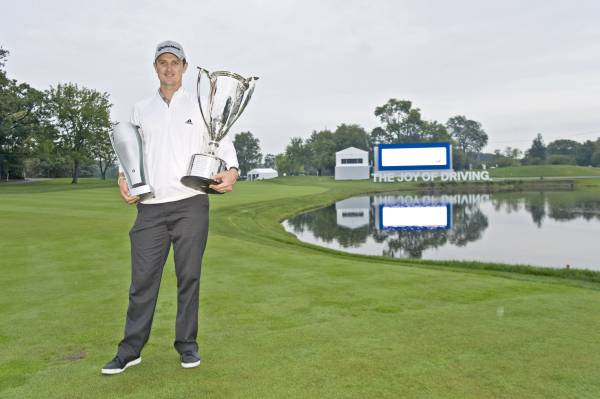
(125, 192)
(225, 180)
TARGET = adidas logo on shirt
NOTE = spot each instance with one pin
(189, 122)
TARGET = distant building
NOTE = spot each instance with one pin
(351, 164)
(261, 174)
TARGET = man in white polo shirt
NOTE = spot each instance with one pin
(172, 129)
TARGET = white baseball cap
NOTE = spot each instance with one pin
(169, 46)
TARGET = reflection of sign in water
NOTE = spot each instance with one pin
(414, 217)
(420, 199)
(353, 212)
(479, 222)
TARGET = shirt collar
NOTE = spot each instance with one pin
(177, 92)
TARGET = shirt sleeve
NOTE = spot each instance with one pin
(134, 119)
(227, 153)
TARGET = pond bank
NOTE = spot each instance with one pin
(266, 218)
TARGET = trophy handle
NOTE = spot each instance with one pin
(200, 72)
(250, 82)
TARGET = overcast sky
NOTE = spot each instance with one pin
(518, 67)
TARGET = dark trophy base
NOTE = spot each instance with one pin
(199, 183)
(203, 165)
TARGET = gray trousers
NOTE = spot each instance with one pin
(184, 224)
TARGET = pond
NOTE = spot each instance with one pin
(549, 229)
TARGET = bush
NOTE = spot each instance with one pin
(558, 159)
(533, 161)
(596, 158)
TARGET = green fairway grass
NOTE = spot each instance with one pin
(544, 171)
(280, 318)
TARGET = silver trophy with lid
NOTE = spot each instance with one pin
(127, 143)
(228, 96)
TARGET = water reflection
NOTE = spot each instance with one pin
(540, 228)
(556, 206)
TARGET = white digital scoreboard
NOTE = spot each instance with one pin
(413, 157)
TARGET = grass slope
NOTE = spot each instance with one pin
(545, 171)
(278, 318)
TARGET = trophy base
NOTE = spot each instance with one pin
(203, 165)
(199, 183)
(143, 191)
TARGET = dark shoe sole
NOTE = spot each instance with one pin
(118, 371)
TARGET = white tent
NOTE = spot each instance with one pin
(351, 164)
(262, 174)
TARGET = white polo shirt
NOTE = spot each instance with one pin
(171, 134)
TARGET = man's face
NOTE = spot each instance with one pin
(169, 69)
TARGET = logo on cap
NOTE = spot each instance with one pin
(168, 46)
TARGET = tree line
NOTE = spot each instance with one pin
(61, 131)
(401, 122)
(557, 152)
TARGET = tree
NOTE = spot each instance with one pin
(51, 162)
(350, 136)
(435, 131)
(79, 115)
(501, 160)
(22, 116)
(401, 122)
(378, 136)
(584, 153)
(595, 161)
(468, 135)
(513, 153)
(269, 161)
(536, 154)
(298, 156)
(3, 55)
(404, 124)
(509, 157)
(296, 159)
(102, 151)
(248, 151)
(321, 147)
(286, 166)
(562, 151)
(563, 147)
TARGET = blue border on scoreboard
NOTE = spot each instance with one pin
(415, 228)
(447, 166)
